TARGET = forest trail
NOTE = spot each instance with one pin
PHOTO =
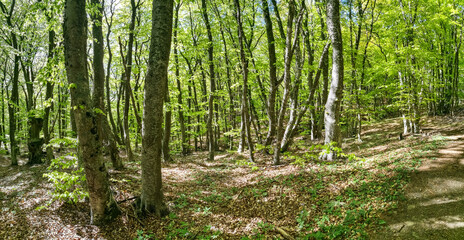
(434, 199)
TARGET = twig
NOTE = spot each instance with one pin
(401, 228)
(284, 233)
(238, 195)
(127, 199)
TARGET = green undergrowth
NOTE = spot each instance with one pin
(66, 176)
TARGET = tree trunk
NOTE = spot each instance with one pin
(290, 131)
(325, 79)
(273, 83)
(167, 127)
(128, 72)
(35, 142)
(209, 124)
(294, 100)
(114, 129)
(2, 128)
(332, 107)
(184, 144)
(13, 104)
(289, 48)
(244, 61)
(102, 204)
(151, 199)
(12, 110)
(99, 86)
(49, 95)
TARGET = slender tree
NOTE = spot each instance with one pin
(14, 98)
(244, 63)
(332, 107)
(184, 143)
(99, 85)
(273, 83)
(209, 124)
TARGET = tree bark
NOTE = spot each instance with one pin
(151, 199)
(273, 83)
(184, 143)
(289, 50)
(332, 107)
(244, 62)
(209, 124)
(317, 134)
(14, 100)
(49, 95)
(102, 204)
(167, 126)
(99, 86)
(109, 23)
(128, 72)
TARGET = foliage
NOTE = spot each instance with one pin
(65, 174)
(252, 165)
(190, 230)
(67, 178)
(315, 151)
(141, 235)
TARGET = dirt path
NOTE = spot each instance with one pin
(434, 204)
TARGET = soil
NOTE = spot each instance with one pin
(433, 207)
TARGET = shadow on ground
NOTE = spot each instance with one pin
(434, 199)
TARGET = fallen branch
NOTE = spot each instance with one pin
(284, 233)
(236, 197)
(127, 199)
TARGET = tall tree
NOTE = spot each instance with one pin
(212, 82)
(273, 82)
(99, 84)
(102, 204)
(156, 80)
(244, 63)
(290, 43)
(332, 107)
(14, 98)
(49, 87)
(127, 76)
(184, 143)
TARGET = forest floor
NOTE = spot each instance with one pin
(367, 196)
(433, 207)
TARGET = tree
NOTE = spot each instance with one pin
(99, 85)
(156, 81)
(184, 143)
(49, 87)
(102, 204)
(209, 124)
(290, 43)
(332, 107)
(244, 64)
(14, 99)
(273, 82)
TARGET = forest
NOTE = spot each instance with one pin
(231, 119)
